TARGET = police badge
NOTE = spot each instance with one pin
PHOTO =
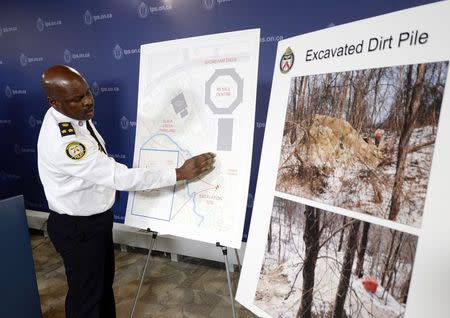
(75, 150)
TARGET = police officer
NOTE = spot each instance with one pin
(80, 181)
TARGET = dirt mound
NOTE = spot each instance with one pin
(334, 142)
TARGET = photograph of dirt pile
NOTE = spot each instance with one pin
(364, 140)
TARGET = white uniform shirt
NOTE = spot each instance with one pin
(78, 178)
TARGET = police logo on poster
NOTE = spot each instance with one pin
(287, 61)
(23, 59)
(117, 52)
(40, 24)
(124, 123)
(67, 56)
(95, 88)
(88, 18)
(143, 10)
(208, 4)
(75, 150)
(32, 121)
(8, 92)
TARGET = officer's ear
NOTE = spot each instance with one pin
(53, 102)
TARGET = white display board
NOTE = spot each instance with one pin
(350, 211)
(197, 95)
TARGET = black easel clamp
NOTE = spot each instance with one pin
(224, 248)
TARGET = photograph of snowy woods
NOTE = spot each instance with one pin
(363, 140)
(323, 264)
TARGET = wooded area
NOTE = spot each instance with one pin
(309, 272)
(363, 139)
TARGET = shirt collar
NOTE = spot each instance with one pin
(60, 117)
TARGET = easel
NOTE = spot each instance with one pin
(225, 256)
(153, 241)
(224, 250)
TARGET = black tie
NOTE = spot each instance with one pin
(89, 127)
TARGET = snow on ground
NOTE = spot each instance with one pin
(279, 288)
(352, 187)
(274, 286)
(375, 303)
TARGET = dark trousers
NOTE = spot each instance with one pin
(86, 247)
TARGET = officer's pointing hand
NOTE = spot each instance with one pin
(195, 166)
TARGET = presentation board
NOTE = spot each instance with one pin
(197, 95)
(350, 208)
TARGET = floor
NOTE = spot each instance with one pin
(188, 288)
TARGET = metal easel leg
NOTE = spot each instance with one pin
(225, 255)
(237, 259)
(154, 236)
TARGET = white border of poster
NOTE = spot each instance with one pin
(428, 293)
(187, 68)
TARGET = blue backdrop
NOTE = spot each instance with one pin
(101, 39)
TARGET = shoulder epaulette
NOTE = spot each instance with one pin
(66, 129)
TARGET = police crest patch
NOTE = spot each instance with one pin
(66, 129)
(75, 150)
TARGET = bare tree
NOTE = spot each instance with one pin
(347, 265)
(395, 119)
(339, 108)
(387, 262)
(357, 111)
(279, 236)
(411, 113)
(362, 250)
(341, 237)
(392, 269)
(311, 236)
(269, 237)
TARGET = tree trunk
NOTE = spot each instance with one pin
(394, 121)
(408, 127)
(301, 100)
(347, 265)
(279, 237)
(375, 254)
(405, 289)
(379, 76)
(358, 115)
(269, 237)
(348, 111)
(362, 250)
(311, 236)
(341, 238)
(393, 265)
(294, 99)
(339, 112)
(295, 92)
(388, 259)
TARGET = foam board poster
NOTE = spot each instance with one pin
(350, 215)
(197, 95)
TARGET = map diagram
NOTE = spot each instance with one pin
(197, 95)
